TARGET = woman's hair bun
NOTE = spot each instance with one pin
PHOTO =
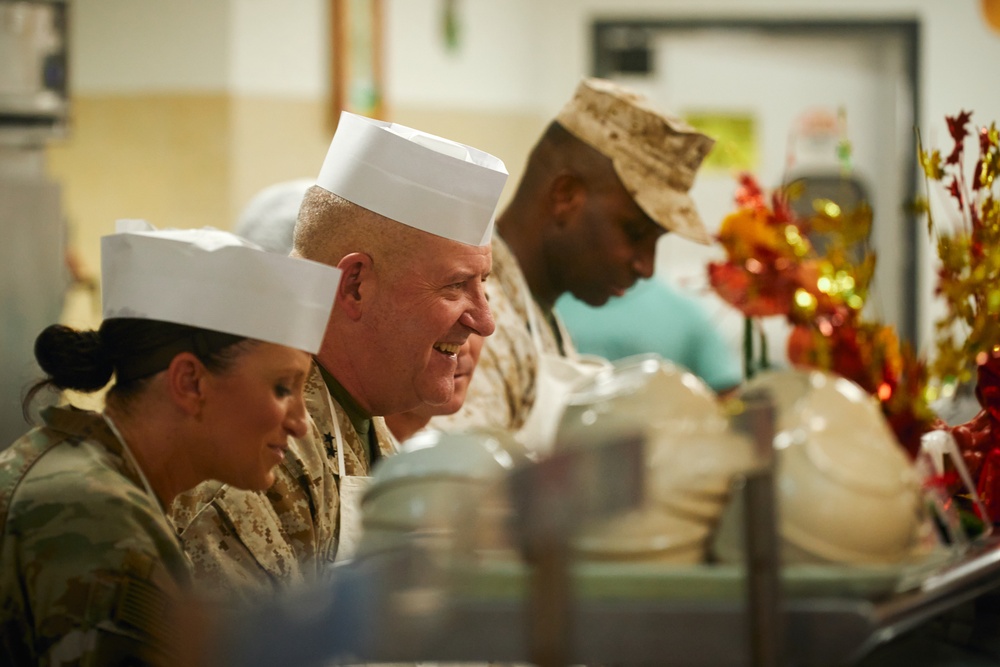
(73, 359)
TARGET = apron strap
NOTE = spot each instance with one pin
(341, 468)
(533, 323)
(535, 326)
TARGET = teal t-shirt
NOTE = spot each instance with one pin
(654, 317)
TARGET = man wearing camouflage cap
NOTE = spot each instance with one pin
(607, 178)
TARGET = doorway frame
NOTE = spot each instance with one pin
(605, 32)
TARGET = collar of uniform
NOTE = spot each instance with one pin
(78, 423)
(87, 425)
(508, 274)
(360, 420)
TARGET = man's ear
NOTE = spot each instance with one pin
(186, 382)
(567, 192)
(355, 284)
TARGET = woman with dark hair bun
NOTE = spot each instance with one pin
(204, 387)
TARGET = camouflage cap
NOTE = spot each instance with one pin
(655, 155)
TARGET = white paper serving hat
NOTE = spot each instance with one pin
(215, 280)
(419, 179)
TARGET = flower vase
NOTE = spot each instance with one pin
(755, 355)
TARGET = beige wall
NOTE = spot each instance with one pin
(196, 159)
(224, 74)
(507, 134)
(177, 160)
(274, 139)
(161, 157)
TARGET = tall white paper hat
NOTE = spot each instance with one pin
(419, 179)
(215, 280)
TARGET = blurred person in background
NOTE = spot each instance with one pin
(91, 570)
(407, 217)
(269, 217)
(655, 317)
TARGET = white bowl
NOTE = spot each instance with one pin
(727, 544)
(695, 506)
(438, 483)
(695, 464)
(690, 455)
(421, 502)
(827, 406)
(826, 511)
(376, 540)
(471, 455)
(845, 490)
(787, 389)
(648, 533)
(649, 391)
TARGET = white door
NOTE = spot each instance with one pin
(774, 77)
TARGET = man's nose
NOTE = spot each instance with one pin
(478, 316)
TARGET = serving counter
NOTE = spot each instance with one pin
(397, 608)
(428, 601)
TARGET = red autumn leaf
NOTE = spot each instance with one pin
(955, 190)
(802, 346)
(956, 128)
(989, 484)
(909, 428)
(988, 388)
(749, 194)
(985, 142)
(753, 294)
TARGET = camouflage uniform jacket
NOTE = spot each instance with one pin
(245, 544)
(502, 391)
(88, 562)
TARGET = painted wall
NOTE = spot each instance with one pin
(123, 46)
(184, 109)
(279, 48)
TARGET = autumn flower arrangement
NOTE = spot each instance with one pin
(772, 268)
(969, 251)
(967, 336)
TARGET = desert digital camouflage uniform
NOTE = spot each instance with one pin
(245, 544)
(502, 391)
(89, 565)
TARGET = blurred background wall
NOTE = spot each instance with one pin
(182, 110)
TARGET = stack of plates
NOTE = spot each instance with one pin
(846, 491)
(649, 534)
(439, 489)
(691, 458)
(646, 389)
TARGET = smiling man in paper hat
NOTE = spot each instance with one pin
(407, 217)
(608, 177)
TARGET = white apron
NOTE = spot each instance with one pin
(556, 378)
(352, 489)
